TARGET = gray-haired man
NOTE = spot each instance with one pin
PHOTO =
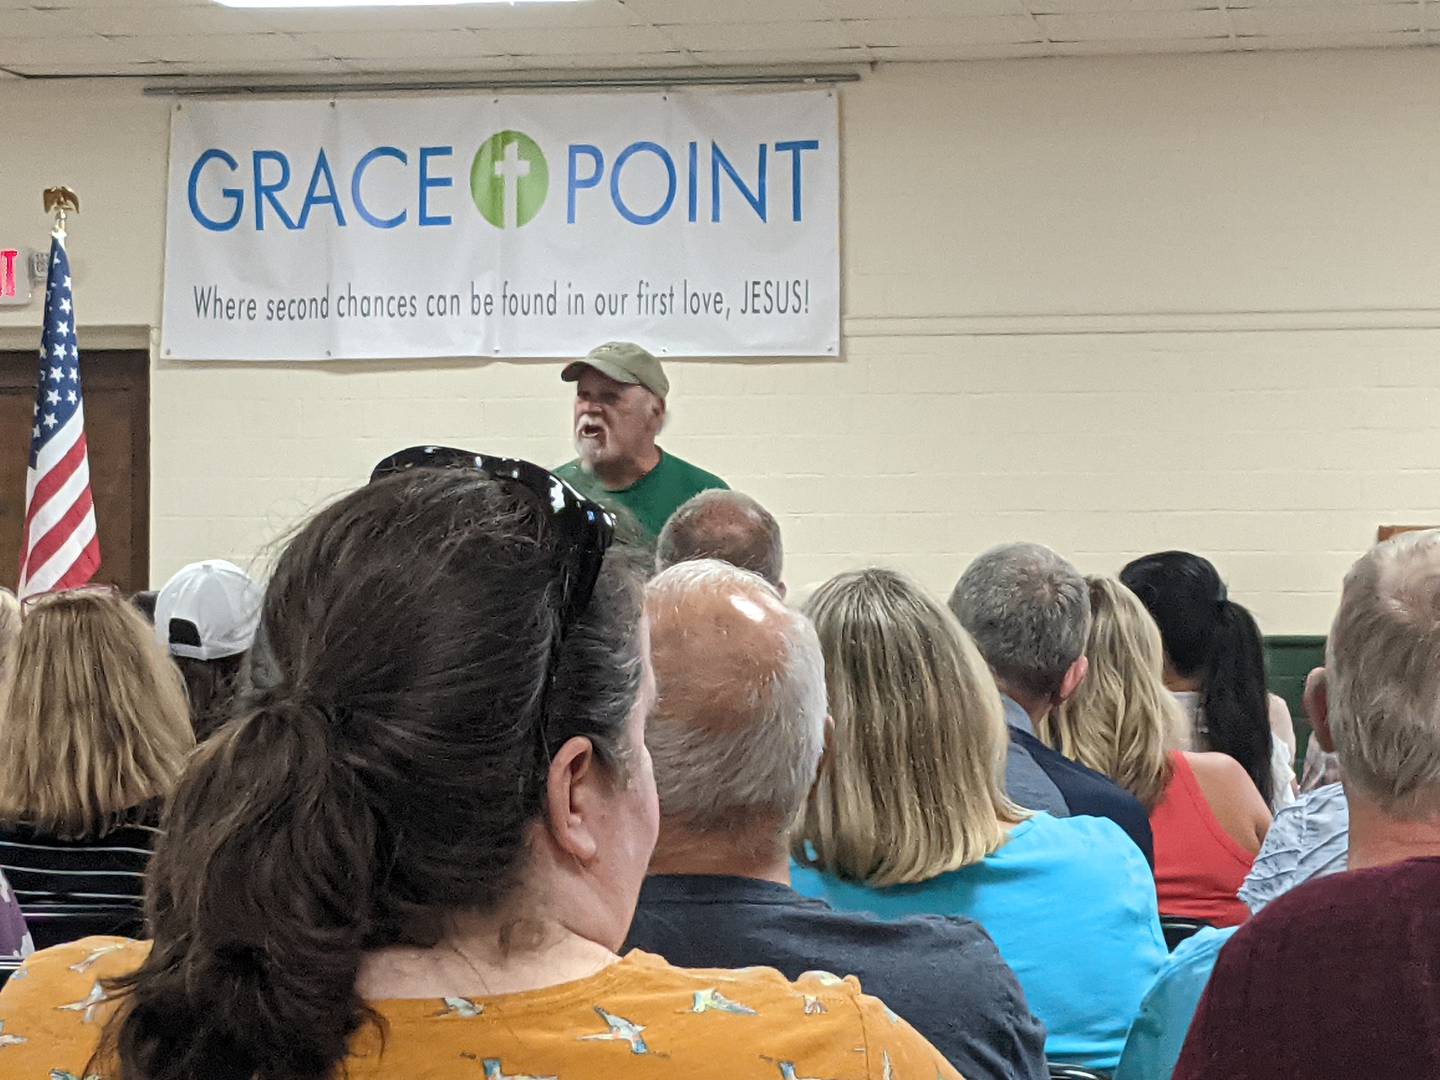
(728, 526)
(737, 734)
(1028, 611)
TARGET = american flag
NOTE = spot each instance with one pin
(59, 548)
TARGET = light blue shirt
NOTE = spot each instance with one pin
(1309, 838)
(1070, 903)
(1159, 1031)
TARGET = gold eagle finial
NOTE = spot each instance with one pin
(61, 199)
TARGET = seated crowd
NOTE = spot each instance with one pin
(473, 787)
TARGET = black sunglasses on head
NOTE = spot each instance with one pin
(583, 528)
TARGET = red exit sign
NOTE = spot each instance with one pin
(14, 275)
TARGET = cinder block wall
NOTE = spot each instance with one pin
(1112, 304)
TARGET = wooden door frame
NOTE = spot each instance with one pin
(120, 369)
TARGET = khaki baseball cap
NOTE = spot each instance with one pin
(625, 362)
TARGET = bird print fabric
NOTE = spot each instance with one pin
(640, 1018)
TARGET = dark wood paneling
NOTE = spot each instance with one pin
(117, 428)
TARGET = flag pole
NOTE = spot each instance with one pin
(59, 546)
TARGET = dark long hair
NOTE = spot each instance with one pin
(382, 765)
(210, 687)
(1211, 638)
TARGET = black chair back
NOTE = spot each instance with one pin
(1177, 929)
(55, 925)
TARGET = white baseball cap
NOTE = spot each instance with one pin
(207, 611)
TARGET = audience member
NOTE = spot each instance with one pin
(93, 736)
(1348, 957)
(9, 617)
(909, 817)
(724, 525)
(415, 848)
(15, 940)
(1311, 836)
(736, 737)
(206, 617)
(1028, 611)
(621, 397)
(1215, 666)
(144, 602)
(9, 631)
(1158, 1034)
(1207, 817)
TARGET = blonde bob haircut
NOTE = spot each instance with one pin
(1122, 721)
(94, 720)
(913, 784)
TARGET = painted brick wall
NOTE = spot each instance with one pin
(1113, 305)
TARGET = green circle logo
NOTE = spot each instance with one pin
(509, 179)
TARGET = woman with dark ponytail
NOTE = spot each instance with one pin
(1215, 666)
(416, 847)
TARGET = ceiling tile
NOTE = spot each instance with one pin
(251, 49)
(472, 17)
(728, 11)
(752, 57)
(982, 30)
(599, 39)
(402, 43)
(720, 37)
(1141, 25)
(919, 54)
(1363, 18)
(1136, 46)
(132, 20)
(1332, 41)
(606, 62)
(1068, 7)
(540, 16)
(60, 56)
(27, 22)
(326, 66)
(922, 9)
(462, 67)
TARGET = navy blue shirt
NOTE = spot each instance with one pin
(1089, 794)
(944, 975)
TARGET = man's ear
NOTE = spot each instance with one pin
(1074, 676)
(1317, 708)
(570, 799)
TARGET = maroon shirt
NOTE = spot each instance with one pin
(1337, 980)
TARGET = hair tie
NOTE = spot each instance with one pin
(1223, 596)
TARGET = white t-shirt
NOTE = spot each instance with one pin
(1282, 745)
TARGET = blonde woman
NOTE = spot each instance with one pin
(1207, 816)
(93, 735)
(908, 817)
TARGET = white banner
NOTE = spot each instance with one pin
(698, 224)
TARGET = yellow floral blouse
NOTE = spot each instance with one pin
(638, 1018)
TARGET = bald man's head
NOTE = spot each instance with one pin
(739, 724)
(725, 525)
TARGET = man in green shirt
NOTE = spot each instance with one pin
(620, 392)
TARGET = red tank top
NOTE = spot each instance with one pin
(1198, 866)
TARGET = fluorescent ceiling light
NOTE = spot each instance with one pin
(375, 3)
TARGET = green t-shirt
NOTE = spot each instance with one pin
(652, 498)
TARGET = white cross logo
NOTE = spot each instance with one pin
(511, 169)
